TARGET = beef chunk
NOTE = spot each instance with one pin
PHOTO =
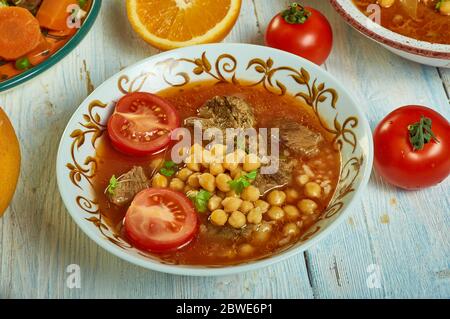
(266, 182)
(130, 183)
(224, 112)
(298, 138)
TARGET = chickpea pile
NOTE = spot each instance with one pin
(214, 169)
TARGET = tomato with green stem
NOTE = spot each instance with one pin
(412, 147)
(303, 31)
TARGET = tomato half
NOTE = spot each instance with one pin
(142, 124)
(303, 31)
(398, 162)
(161, 220)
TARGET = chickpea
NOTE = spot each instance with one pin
(262, 232)
(222, 182)
(214, 203)
(307, 206)
(262, 205)
(250, 193)
(231, 204)
(232, 193)
(254, 216)
(230, 162)
(246, 206)
(218, 217)
(197, 153)
(302, 179)
(207, 181)
(193, 180)
(246, 249)
(191, 164)
(275, 213)
(206, 158)
(236, 173)
(292, 195)
(156, 163)
(251, 163)
(184, 173)
(290, 229)
(237, 219)
(445, 8)
(386, 3)
(313, 190)
(176, 184)
(187, 189)
(218, 151)
(291, 211)
(160, 181)
(276, 198)
(216, 169)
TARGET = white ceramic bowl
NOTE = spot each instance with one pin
(222, 63)
(408, 48)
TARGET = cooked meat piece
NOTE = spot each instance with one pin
(130, 183)
(266, 182)
(224, 112)
(298, 138)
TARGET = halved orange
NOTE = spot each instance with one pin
(169, 24)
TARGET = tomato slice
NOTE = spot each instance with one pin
(142, 123)
(160, 220)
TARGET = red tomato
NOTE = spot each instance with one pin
(302, 31)
(160, 220)
(398, 162)
(142, 123)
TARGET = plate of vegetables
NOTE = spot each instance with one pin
(37, 34)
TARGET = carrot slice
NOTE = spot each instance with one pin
(53, 14)
(8, 71)
(20, 32)
(40, 53)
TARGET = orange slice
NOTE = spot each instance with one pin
(172, 24)
(9, 161)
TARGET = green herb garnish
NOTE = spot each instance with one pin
(239, 184)
(169, 168)
(113, 183)
(4, 3)
(420, 133)
(200, 200)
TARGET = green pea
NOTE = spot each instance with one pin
(23, 64)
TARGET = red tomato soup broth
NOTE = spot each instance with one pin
(221, 244)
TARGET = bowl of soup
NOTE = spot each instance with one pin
(418, 30)
(214, 159)
(37, 34)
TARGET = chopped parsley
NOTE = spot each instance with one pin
(113, 183)
(169, 168)
(200, 200)
(242, 182)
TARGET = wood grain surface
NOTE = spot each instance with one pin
(395, 244)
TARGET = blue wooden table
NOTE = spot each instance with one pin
(395, 244)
